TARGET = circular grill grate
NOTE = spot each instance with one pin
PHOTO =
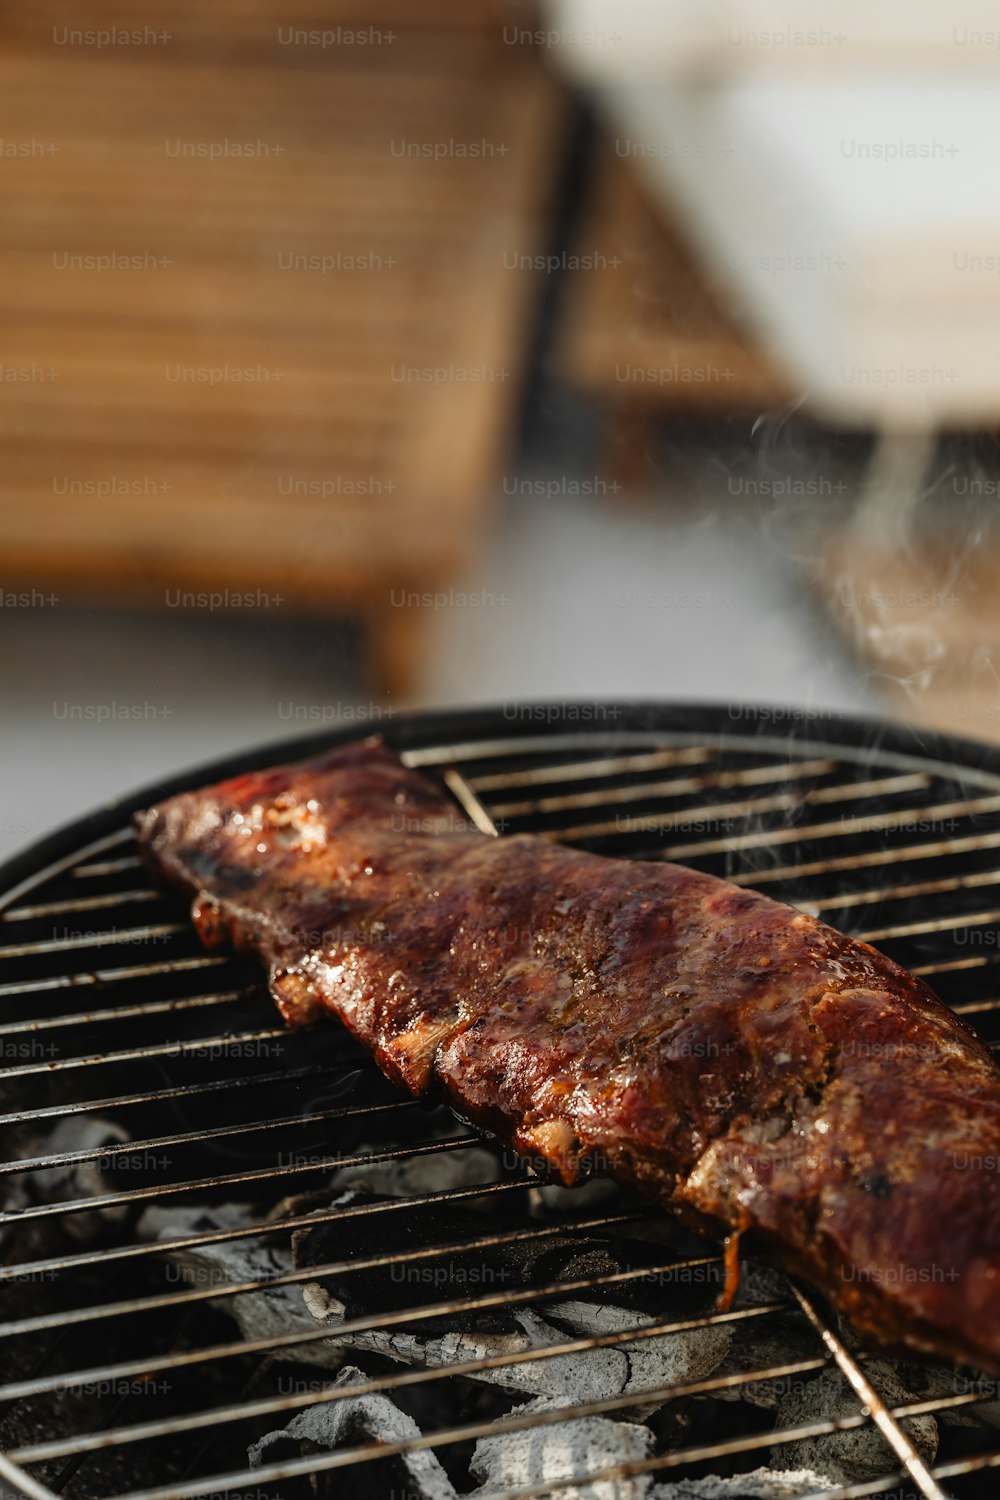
(161, 1123)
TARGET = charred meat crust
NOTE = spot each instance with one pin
(741, 1063)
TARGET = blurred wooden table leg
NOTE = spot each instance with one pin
(396, 633)
(626, 437)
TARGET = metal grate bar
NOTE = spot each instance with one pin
(227, 1179)
(18, 1271)
(139, 1433)
(95, 939)
(224, 1290)
(590, 770)
(81, 903)
(939, 924)
(733, 1449)
(803, 832)
(127, 1012)
(859, 1491)
(195, 1137)
(109, 867)
(896, 1437)
(890, 1481)
(945, 848)
(969, 1465)
(752, 807)
(69, 863)
(940, 1404)
(104, 977)
(521, 1297)
(446, 1437)
(975, 1007)
(161, 1049)
(611, 741)
(153, 1096)
(919, 888)
(691, 1455)
(678, 786)
(466, 797)
(949, 966)
(19, 1483)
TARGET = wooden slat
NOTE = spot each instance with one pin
(334, 351)
(242, 24)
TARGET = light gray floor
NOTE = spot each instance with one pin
(578, 598)
(586, 600)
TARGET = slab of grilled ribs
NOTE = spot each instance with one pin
(743, 1064)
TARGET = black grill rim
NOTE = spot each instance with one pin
(482, 734)
(527, 720)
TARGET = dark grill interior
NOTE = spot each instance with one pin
(161, 1124)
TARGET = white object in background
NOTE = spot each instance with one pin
(835, 167)
(602, 41)
(854, 222)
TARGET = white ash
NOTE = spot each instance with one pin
(580, 1445)
(802, 1468)
(860, 1453)
(407, 1348)
(420, 1174)
(577, 1446)
(589, 1375)
(549, 1198)
(758, 1484)
(461, 1169)
(268, 1313)
(77, 1180)
(643, 1364)
(559, 1450)
(273, 1311)
(353, 1422)
(283, 1309)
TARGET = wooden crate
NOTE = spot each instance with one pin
(240, 399)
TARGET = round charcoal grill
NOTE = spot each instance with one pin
(221, 1239)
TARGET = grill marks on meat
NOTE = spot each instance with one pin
(741, 1063)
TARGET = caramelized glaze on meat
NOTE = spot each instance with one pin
(740, 1062)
